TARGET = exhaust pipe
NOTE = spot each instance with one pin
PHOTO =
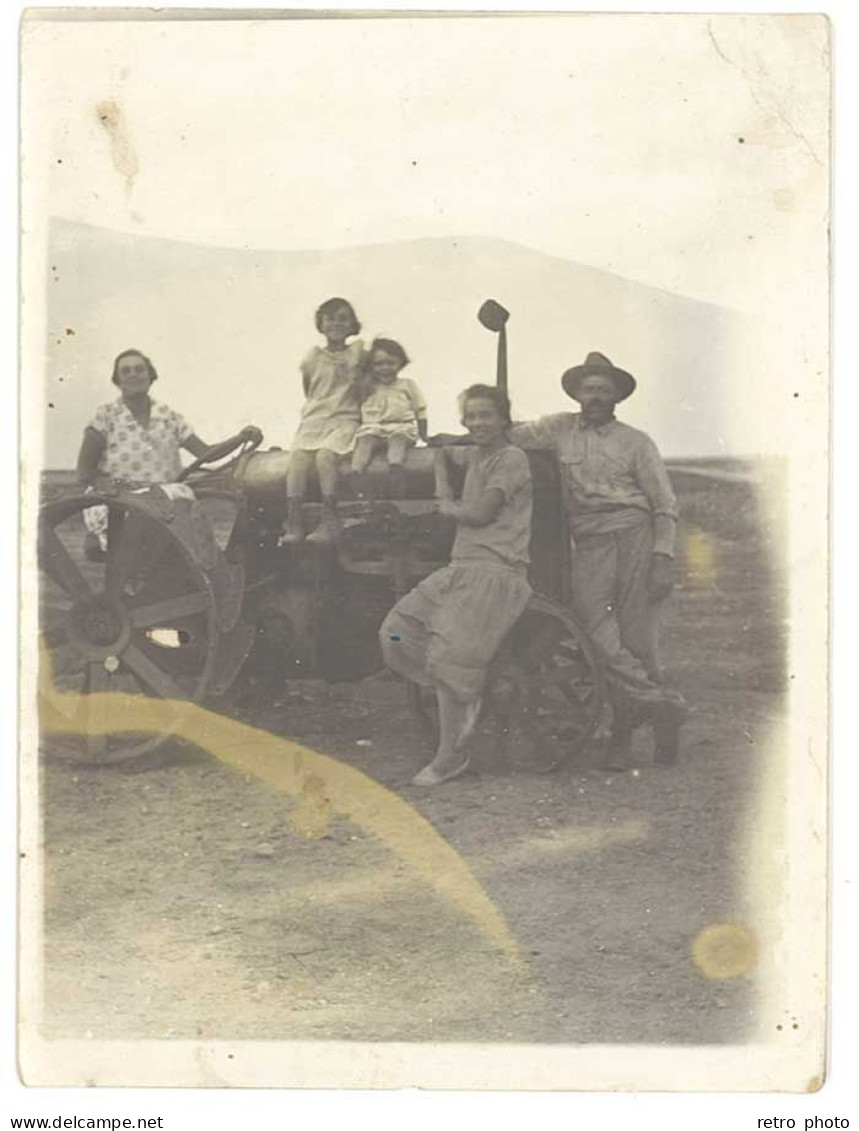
(494, 317)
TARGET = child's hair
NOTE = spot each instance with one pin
(333, 304)
(486, 393)
(391, 347)
(153, 376)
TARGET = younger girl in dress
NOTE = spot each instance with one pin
(393, 411)
(329, 419)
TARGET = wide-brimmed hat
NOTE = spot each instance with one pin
(597, 364)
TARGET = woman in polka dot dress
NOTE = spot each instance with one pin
(134, 439)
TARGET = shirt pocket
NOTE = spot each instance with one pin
(571, 460)
(574, 472)
(571, 450)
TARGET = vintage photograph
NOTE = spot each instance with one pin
(424, 567)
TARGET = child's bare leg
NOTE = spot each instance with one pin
(328, 530)
(296, 487)
(365, 446)
(296, 477)
(397, 447)
(326, 470)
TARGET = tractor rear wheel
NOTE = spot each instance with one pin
(137, 619)
(545, 687)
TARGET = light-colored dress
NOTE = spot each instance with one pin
(393, 410)
(332, 411)
(141, 453)
(135, 452)
(449, 627)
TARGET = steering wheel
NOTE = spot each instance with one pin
(241, 443)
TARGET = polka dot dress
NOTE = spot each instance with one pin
(143, 453)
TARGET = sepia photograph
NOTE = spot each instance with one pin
(423, 610)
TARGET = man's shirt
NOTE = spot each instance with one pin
(606, 469)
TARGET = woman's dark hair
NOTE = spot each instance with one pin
(391, 347)
(333, 304)
(486, 393)
(153, 376)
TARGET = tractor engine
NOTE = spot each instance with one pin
(317, 610)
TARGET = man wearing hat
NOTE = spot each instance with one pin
(623, 516)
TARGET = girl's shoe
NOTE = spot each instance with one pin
(328, 530)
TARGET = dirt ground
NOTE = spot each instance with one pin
(182, 902)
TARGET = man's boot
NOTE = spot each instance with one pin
(328, 530)
(293, 527)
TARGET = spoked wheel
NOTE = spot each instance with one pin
(136, 620)
(545, 687)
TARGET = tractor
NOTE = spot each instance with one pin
(195, 593)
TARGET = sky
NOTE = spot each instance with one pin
(678, 151)
(227, 327)
(685, 152)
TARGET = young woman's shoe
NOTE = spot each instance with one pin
(431, 776)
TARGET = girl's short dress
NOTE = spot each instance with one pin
(393, 410)
(332, 410)
(449, 627)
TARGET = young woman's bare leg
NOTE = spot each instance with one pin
(450, 760)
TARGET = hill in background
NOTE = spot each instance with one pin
(227, 328)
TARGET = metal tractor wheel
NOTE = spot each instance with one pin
(545, 687)
(139, 619)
